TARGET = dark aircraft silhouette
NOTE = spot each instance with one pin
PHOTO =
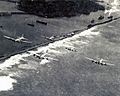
(71, 49)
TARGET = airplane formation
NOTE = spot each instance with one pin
(21, 39)
(100, 62)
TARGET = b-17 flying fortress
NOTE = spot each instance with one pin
(21, 39)
(100, 62)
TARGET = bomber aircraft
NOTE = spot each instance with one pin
(100, 62)
(21, 39)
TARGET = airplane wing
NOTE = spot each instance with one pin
(110, 64)
(10, 38)
(25, 38)
(90, 59)
(26, 41)
(49, 58)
